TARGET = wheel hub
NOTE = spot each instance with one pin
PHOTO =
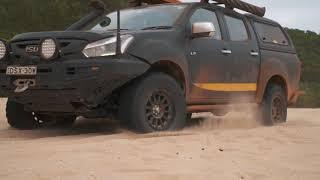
(159, 111)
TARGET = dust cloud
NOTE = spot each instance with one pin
(239, 116)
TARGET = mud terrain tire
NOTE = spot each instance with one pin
(273, 108)
(19, 118)
(154, 103)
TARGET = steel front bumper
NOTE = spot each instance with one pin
(68, 86)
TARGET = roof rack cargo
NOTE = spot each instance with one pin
(230, 4)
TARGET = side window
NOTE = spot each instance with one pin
(204, 15)
(270, 34)
(237, 29)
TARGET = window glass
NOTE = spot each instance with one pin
(270, 34)
(237, 29)
(137, 19)
(204, 15)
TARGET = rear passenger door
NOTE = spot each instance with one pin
(246, 56)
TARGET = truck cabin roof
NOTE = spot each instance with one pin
(197, 4)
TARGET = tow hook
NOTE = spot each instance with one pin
(23, 84)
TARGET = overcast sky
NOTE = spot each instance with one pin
(301, 14)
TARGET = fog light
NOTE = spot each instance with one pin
(48, 49)
(3, 49)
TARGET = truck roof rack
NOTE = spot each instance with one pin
(230, 4)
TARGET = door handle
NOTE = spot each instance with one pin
(226, 51)
(253, 53)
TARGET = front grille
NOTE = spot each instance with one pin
(19, 48)
(69, 49)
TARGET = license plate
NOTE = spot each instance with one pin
(21, 70)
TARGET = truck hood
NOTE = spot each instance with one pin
(75, 35)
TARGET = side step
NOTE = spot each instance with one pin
(209, 108)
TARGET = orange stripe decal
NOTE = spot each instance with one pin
(228, 87)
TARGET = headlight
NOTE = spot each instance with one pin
(48, 49)
(107, 47)
(3, 50)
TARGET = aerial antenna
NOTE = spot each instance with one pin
(118, 44)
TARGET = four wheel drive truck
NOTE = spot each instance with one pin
(151, 65)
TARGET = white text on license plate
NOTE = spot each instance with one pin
(21, 70)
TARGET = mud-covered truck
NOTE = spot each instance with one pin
(152, 65)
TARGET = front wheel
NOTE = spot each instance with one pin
(19, 118)
(273, 109)
(154, 103)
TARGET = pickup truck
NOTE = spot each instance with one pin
(152, 66)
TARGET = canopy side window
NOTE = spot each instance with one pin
(271, 34)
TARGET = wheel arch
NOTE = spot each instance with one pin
(173, 70)
(275, 79)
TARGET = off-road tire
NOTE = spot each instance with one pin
(18, 118)
(273, 108)
(155, 102)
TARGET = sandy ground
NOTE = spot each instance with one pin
(232, 148)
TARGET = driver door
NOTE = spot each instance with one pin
(210, 61)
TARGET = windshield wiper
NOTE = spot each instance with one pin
(157, 27)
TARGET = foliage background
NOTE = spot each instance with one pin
(17, 16)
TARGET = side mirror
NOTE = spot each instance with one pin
(203, 29)
(105, 22)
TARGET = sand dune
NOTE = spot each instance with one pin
(234, 148)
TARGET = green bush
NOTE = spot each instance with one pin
(311, 99)
(307, 44)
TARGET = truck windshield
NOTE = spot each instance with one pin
(151, 17)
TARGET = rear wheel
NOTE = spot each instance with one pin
(19, 118)
(154, 103)
(273, 109)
